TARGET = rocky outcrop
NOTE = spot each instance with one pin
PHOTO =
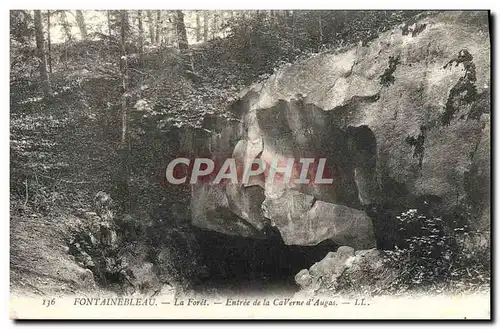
(360, 271)
(114, 252)
(318, 221)
(404, 116)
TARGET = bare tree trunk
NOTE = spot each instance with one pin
(40, 46)
(151, 27)
(123, 185)
(215, 26)
(205, 25)
(320, 26)
(182, 41)
(49, 46)
(222, 22)
(65, 26)
(198, 26)
(109, 22)
(141, 38)
(181, 30)
(80, 20)
(67, 32)
(158, 26)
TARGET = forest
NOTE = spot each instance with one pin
(102, 100)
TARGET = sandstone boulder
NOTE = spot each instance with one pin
(355, 271)
(404, 116)
(302, 220)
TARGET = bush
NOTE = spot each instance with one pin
(429, 253)
(426, 249)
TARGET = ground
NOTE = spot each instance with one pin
(39, 262)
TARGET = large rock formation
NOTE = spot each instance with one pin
(404, 116)
(359, 272)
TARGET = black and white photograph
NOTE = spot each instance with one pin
(250, 164)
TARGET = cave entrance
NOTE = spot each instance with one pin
(238, 265)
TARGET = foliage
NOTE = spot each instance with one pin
(430, 253)
(21, 27)
(262, 42)
(23, 61)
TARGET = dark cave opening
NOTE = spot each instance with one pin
(252, 265)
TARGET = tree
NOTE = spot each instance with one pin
(49, 46)
(215, 25)
(123, 184)
(65, 26)
(182, 42)
(108, 15)
(151, 25)
(66, 30)
(141, 38)
(80, 20)
(181, 30)
(205, 25)
(158, 27)
(320, 28)
(40, 46)
(198, 26)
